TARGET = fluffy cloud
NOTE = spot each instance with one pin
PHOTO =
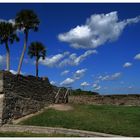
(96, 87)
(53, 60)
(52, 82)
(65, 59)
(127, 64)
(84, 84)
(137, 57)
(79, 73)
(15, 72)
(98, 29)
(76, 76)
(75, 60)
(112, 77)
(67, 82)
(65, 72)
(8, 21)
(109, 77)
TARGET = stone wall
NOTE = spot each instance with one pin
(1, 107)
(108, 99)
(23, 95)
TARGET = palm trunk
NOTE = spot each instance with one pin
(7, 57)
(36, 67)
(23, 52)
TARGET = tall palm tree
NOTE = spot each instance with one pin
(7, 34)
(37, 50)
(26, 20)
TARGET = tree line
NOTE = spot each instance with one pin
(25, 21)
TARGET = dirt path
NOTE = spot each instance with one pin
(61, 107)
(52, 130)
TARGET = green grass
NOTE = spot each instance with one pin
(121, 120)
(27, 134)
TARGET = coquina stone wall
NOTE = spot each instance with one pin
(133, 100)
(23, 95)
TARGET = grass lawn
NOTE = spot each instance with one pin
(26, 134)
(121, 120)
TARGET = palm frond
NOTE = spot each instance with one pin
(26, 20)
(7, 33)
(37, 49)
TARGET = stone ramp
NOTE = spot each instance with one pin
(50, 130)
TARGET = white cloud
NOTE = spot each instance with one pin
(8, 21)
(84, 84)
(52, 82)
(75, 60)
(60, 60)
(65, 72)
(67, 82)
(110, 77)
(79, 73)
(15, 72)
(100, 77)
(127, 64)
(96, 86)
(98, 29)
(137, 57)
(11, 21)
(114, 76)
(53, 60)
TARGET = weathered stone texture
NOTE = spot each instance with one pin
(107, 99)
(1, 107)
(24, 95)
(1, 82)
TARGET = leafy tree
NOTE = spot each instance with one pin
(7, 35)
(37, 50)
(26, 20)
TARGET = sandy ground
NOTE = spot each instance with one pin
(61, 107)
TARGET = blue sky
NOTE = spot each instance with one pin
(91, 46)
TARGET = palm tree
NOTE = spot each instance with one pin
(26, 20)
(37, 50)
(7, 34)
